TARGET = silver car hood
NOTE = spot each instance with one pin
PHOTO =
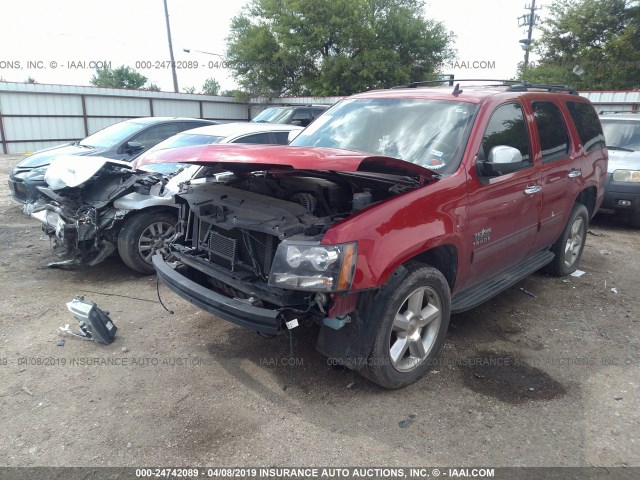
(72, 171)
(621, 160)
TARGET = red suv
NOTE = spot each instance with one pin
(394, 209)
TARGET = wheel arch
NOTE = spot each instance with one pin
(443, 258)
(587, 197)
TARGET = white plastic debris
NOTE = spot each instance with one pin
(577, 273)
(614, 290)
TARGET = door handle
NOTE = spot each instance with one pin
(532, 189)
(573, 173)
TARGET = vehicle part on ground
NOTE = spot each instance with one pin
(94, 323)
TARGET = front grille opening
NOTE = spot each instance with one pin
(238, 250)
(222, 250)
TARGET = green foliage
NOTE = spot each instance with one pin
(601, 37)
(30, 80)
(121, 77)
(189, 89)
(152, 87)
(333, 47)
(211, 87)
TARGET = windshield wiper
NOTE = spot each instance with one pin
(615, 147)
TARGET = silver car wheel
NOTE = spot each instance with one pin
(415, 329)
(155, 239)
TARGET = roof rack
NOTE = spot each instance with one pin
(512, 85)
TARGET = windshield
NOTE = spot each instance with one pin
(622, 133)
(429, 133)
(177, 141)
(273, 115)
(112, 135)
(186, 140)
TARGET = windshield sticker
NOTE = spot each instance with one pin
(437, 153)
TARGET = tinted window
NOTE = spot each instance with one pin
(282, 138)
(554, 140)
(190, 125)
(506, 127)
(586, 120)
(256, 138)
(155, 135)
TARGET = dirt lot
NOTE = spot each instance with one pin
(190, 389)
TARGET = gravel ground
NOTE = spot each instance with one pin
(190, 389)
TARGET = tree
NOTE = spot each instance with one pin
(189, 89)
(121, 77)
(30, 80)
(333, 47)
(211, 87)
(152, 87)
(590, 45)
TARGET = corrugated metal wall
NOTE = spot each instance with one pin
(33, 117)
(628, 101)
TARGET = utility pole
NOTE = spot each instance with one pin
(528, 20)
(173, 62)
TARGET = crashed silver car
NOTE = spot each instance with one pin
(95, 206)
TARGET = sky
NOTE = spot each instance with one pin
(62, 41)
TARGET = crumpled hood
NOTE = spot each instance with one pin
(621, 160)
(72, 171)
(44, 157)
(247, 158)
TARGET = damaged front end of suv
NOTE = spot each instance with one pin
(251, 245)
(93, 207)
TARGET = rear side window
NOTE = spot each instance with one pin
(588, 125)
(554, 140)
(255, 138)
(282, 138)
(506, 127)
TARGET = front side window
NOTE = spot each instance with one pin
(155, 135)
(429, 133)
(552, 131)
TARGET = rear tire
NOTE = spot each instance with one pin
(142, 236)
(568, 249)
(411, 323)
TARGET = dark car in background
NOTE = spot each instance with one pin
(120, 141)
(622, 187)
(301, 115)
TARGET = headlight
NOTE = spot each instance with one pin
(315, 267)
(33, 174)
(626, 176)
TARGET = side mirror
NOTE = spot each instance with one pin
(502, 159)
(133, 147)
(292, 135)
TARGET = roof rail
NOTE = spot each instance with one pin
(525, 86)
(513, 85)
(451, 81)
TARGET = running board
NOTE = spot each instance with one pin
(489, 288)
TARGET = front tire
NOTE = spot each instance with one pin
(411, 322)
(142, 236)
(568, 249)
